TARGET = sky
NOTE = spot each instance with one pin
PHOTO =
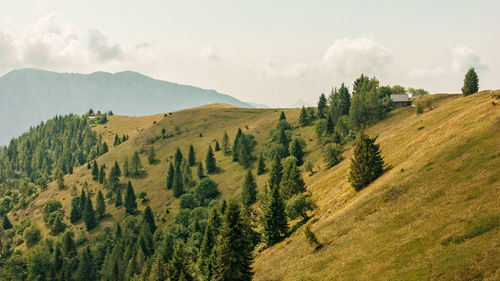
(268, 52)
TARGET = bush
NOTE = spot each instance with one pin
(32, 236)
(205, 191)
(298, 206)
(308, 166)
(331, 154)
(311, 237)
(187, 201)
(420, 108)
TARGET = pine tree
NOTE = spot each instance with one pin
(178, 185)
(126, 168)
(235, 149)
(157, 272)
(100, 205)
(89, 215)
(178, 157)
(60, 181)
(275, 221)
(95, 171)
(234, 250)
(115, 173)
(366, 164)
(83, 200)
(179, 264)
(291, 180)
(330, 125)
(345, 100)
(322, 107)
(249, 193)
(170, 176)
(117, 140)
(304, 117)
(261, 164)
(225, 143)
(149, 218)
(200, 172)
(297, 150)
(276, 172)
(145, 239)
(207, 246)
(86, 268)
(210, 161)
(151, 155)
(217, 146)
(130, 200)
(102, 174)
(244, 151)
(118, 197)
(191, 156)
(6, 224)
(136, 163)
(75, 213)
(471, 82)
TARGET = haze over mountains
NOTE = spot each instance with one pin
(28, 96)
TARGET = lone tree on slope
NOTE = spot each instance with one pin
(471, 83)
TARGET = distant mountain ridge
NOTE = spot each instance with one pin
(28, 96)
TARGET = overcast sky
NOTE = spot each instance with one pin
(271, 52)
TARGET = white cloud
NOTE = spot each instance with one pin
(351, 57)
(53, 42)
(209, 53)
(272, 69)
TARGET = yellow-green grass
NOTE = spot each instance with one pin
(433, 215)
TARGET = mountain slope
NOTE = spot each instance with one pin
(28, 96)
(434, 214)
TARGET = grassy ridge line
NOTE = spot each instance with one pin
(443, 182)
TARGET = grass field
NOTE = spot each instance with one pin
(433, 215)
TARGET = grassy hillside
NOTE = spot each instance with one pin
(433, 215)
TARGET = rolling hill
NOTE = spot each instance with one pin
(433, 215)
(28, 96)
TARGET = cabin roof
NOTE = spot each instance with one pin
(396, 98)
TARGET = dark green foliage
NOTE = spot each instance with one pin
(187, 201)
(471, 82)
(178, 157)
(205, 190)
(149, 218)
(304, 118)
(322, 107)
(311, 237)
(234, 251)
(170, 176)
(420, 108)
(136, 164)
(32, 235)
(95, 171)
(217, 146)
(57, 224)
(275, 223)
(178, 184)
(291, 181)
(117, 141)
(60, 181)
(102, 174)
(86, 269)
(282, 116)
(115, 173)
(179, 265)
(276, 172)
(261, 164)
(321, 129)
(130, 200)
(89, 215)
(210, 161)
(200, 171)
(53, 216)
(6, 223)
(345, 100)
(235, 149)
(297, 149)
(249, 193)
(225, 143)
(126, 167)
(157, 271)
(298, 206)
(151, 155)
(100, 205)
(366, 163)
(332, 154)
(191, 156)
(118, 197)
(83, 199)
(330, 125)
(207, 248)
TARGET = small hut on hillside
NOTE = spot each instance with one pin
(400, 100)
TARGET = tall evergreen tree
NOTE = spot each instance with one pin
(136, 163)
(244, 155)
(210, 161)
(151, 155)
(157, 272)
(130, 200)
(178, 157)
(149, 218)
(75, 213)
(118, 197)
(102, 174)
(6, 224)
(86, 266)
(217, 146)
(345, 100)
(200, 171)
(178, 185)
(207, 246)
(115, 173)
(83, 200)
(100, 205)
(261, 164)
(297, 149)
(179, 264)
(89, 215)
(471, 82)
(225, 143)
(291, 181)
(170, 176)
(234, 250)
(276, 172)
(322, 106)
(304, 117)
(235, 149)
(249, 193)
(275, 222)
(95, 171)
(366, 164)
(191, 156)
(126, 167)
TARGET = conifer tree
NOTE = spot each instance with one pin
(210, 161)
(145, 239)
(276, 172)
(191, 156)
(345, 100)
(151, 155)
(178, 157)
(304, 117)
(244, 151)
(178, 185)
(95, 171)
(471, 82)
(157, 272)
(297, 149)
(291, 181)
(60, 181)
(249, 193)
(89, 215)
(225, 143)
(330, 125)
(275, 222)
(207, 245)
(126, 168)
(118, 197)
(130, 200)
(136, 163)
(83, 200)
(282, 116)
(75, 213)
(6, 224)
(86, 268)
(217, 146)
(149, 218)
(115, 173)
(367, 163)
(322, 106)
(102, 174)
(235, 149)
(100, 205)
(179, 264)
(261, 164)
(117, 140)
(170, 176)
(200, 172)
(234, 250)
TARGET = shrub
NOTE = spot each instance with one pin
(205, 191)
(308, 166)
(298, 206)
(187, 201)
(311, 237)
(420, 108)
(331, 154)
(32, 236)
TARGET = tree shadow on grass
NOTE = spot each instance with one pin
(142, 174)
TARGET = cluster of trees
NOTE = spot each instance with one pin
(243, 146)
(119, 140)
